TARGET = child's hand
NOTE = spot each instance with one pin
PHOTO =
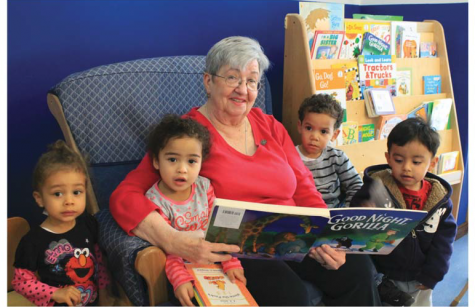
(238, 274)
(69, 295)
(184, 293)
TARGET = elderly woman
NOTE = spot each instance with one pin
(253, 159)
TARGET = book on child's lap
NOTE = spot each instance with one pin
(273, 232)
(213, 287)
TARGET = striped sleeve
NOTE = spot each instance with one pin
(176, 271)
(350, 181)
(234, 263)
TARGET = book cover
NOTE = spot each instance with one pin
(332, 82)
(382, 101)
(428, 50)
(404, 82)
(349, 131)
(396, 35)
(365, 133)
(410, 42)
(213, 287)
(373, 230)
(431, 84)
(440, 113)
(448, 162)
(419, 111)
(326, 45)
(354, 31)
(352, 80)
(253, 227)
(377, 71)
(387, 123)
(378, 17)
(321, 16)
(373, 45)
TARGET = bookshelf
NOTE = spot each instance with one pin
(299, 83)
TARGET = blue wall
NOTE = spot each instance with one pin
(50, 39)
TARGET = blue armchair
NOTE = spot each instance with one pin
(106, 113)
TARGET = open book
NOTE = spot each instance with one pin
(265, 231)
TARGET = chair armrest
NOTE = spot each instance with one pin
(150, 264)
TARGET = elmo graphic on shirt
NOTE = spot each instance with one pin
(80, 269)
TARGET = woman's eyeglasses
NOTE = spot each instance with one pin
(234, 82)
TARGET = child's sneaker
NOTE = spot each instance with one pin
(390, 294)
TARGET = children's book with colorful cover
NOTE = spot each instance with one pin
(373, 45)
(440, 113)
(326, 45)
(321, 16)
(365, 133)
(273, 232)
(354, 31)
(332, 82)
(404, 82)
(213, 287)
(419, 111)
(352, 79)
(387, 123)
(428, 50)
(396, 36)
(377, 71)
(410, 42)
(448, 162)
(378, 17)
(349, 132)
(431, 84)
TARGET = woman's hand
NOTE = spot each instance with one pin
(69, 295)
(184, 293)
(238, 274)
(329, 258)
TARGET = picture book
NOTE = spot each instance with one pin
(410, 42)
(213, 287)
(387, 123)
(396, 36)
(377, 71)
(419, 111)
(440, 113)
(431, 84)
(352, 80)
(404, 82)
(354, 31)
(448, 162)
(373, 45)
(321, 16)
(273, 232)
(365, 133)
(332, 82)
(379, 101)
(326, 45)
(378, 17)
(349, 132)
(428, 50)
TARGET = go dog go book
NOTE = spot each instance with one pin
(273, 232)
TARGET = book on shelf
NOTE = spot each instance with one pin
(410, 42)
(396, 36)
(404, 82)
(439, 117)
(378, 101)
(448, 162)
(386, 123)
(349, 132)
(373, 45)
(213, 288)
(354, 31)
(431, 84)
(273, 232)
(321, 16)
(332, 82)
(326, 44)
(377, 71)
(352, 79)
(378, 17)
(428, 50)
(365, 133)
(419, 111)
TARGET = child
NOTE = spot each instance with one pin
(320, 117)
(63, 249)
(422, 258)
(185, 199)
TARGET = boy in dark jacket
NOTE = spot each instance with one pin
(422, 259)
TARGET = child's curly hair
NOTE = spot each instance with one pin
(58, 157)
(322, 104)
(173, 126)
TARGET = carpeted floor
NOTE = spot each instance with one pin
(449, 288)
